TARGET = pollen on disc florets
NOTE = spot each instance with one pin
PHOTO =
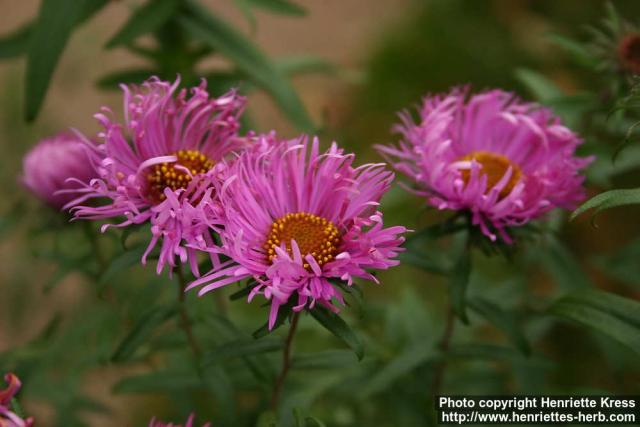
(313, 234)
(174, 175)
(494, 166)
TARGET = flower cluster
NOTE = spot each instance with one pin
(502, 160)
(298, 222)
(8, 418)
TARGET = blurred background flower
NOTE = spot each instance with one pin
(48, 167)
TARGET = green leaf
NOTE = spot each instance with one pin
(52, 29)
(502, 320)
(120, 263)
(398, 367)
(458, 283)
(541, 88)
(577, 50)
(158, 382)
(607, 200)
(607, 313)
(16, 43)
(339, 328)
(224, 38)
(284, 7)
(145, 19)
(241, 348)
(113, 80)
(142, 331)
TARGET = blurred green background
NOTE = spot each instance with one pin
(389, 54)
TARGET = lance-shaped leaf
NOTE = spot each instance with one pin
(16, 43)
(224, 38)
(609, 199)
(144, 20)
(339, 328)
(52, 29)
(142, 331)
(607, 313)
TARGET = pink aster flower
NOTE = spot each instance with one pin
(155, 166)
(156, 423)
(7, 417)
(503, 160)
(48, 166)
(296, 219)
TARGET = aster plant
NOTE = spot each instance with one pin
(275, 241)
(301, 224)
(497, 163)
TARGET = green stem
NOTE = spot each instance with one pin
(286, 363)
(443, 346)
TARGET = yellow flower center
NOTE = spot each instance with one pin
(494, 166)
(173, 175)
(314, 235)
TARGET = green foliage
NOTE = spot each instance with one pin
(144, 20)
(178, 53)
(52, 29)
(16, 43)
(221, 36)
(458, 283)
(338, 327)
(141, 332)
(609, 199)
(99, 314)
(604, 312)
